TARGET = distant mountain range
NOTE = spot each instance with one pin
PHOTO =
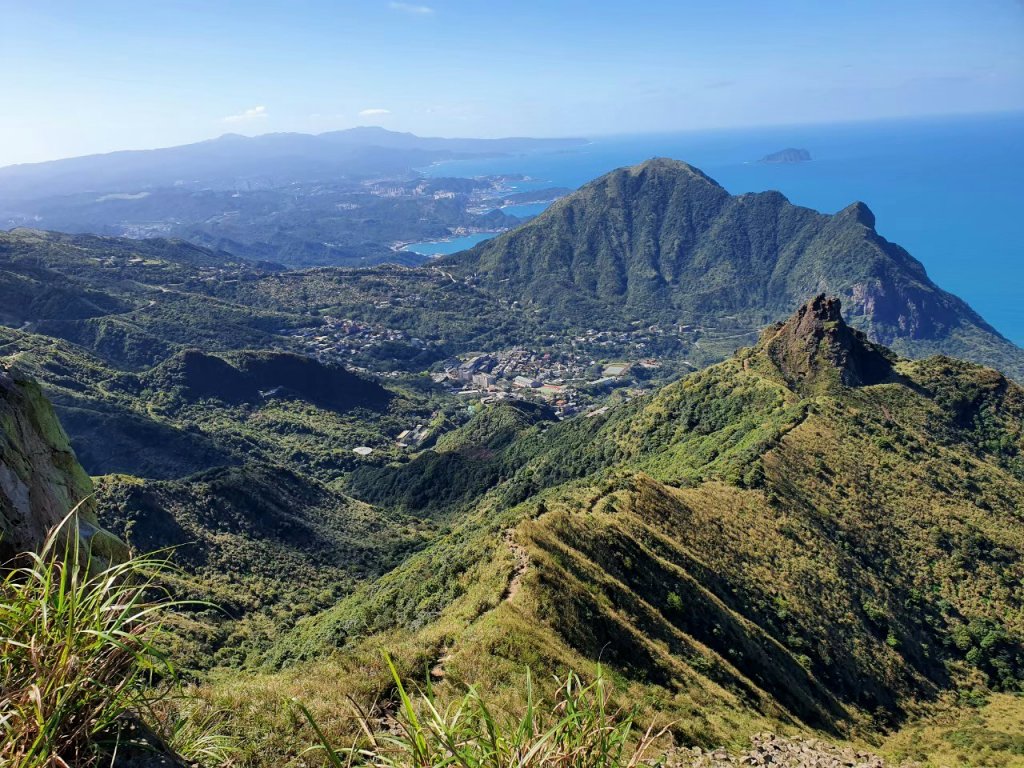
(233, 161)
(342, 198)
(661, 242)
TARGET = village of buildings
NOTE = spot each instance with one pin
(569, 375)
(569, 383)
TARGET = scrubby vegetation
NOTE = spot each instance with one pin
(85, 679)
(773, 542)
(580, 729)
(84, 672)
(810, 550)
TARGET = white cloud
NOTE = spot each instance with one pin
(374, 112)
(249, 115)
(415, 10)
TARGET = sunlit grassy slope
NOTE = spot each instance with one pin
(812, 534)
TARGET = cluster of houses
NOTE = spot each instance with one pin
(481, 195)
(565, 382)
(337, 337)
(637, 340)
(412, 437)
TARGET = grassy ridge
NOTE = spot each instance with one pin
(831, 555)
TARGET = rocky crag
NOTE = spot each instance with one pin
(41, 481)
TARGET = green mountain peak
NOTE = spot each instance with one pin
(859, 213)
(671, 166)
(662, 243)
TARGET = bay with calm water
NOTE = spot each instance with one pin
(950, 190)
(449, 245)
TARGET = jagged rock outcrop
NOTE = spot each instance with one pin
(815, 349)
(41, 481)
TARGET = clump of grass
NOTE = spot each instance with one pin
(81, 669)
(580, 729)
(196, 733)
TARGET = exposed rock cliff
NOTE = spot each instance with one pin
(41, 481)
(815, 349)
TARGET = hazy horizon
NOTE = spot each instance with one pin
(117, 75)
(591, 136)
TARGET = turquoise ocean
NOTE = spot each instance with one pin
(949, 190)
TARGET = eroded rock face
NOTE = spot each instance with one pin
(41, 481)
(816, 349)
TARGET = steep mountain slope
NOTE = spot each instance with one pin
(262, 543)
(661, 242)
(813, 531)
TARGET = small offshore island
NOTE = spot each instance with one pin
(789, 155)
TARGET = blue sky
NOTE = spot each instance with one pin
(83, 76)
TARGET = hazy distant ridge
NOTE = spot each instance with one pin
(230, 159)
